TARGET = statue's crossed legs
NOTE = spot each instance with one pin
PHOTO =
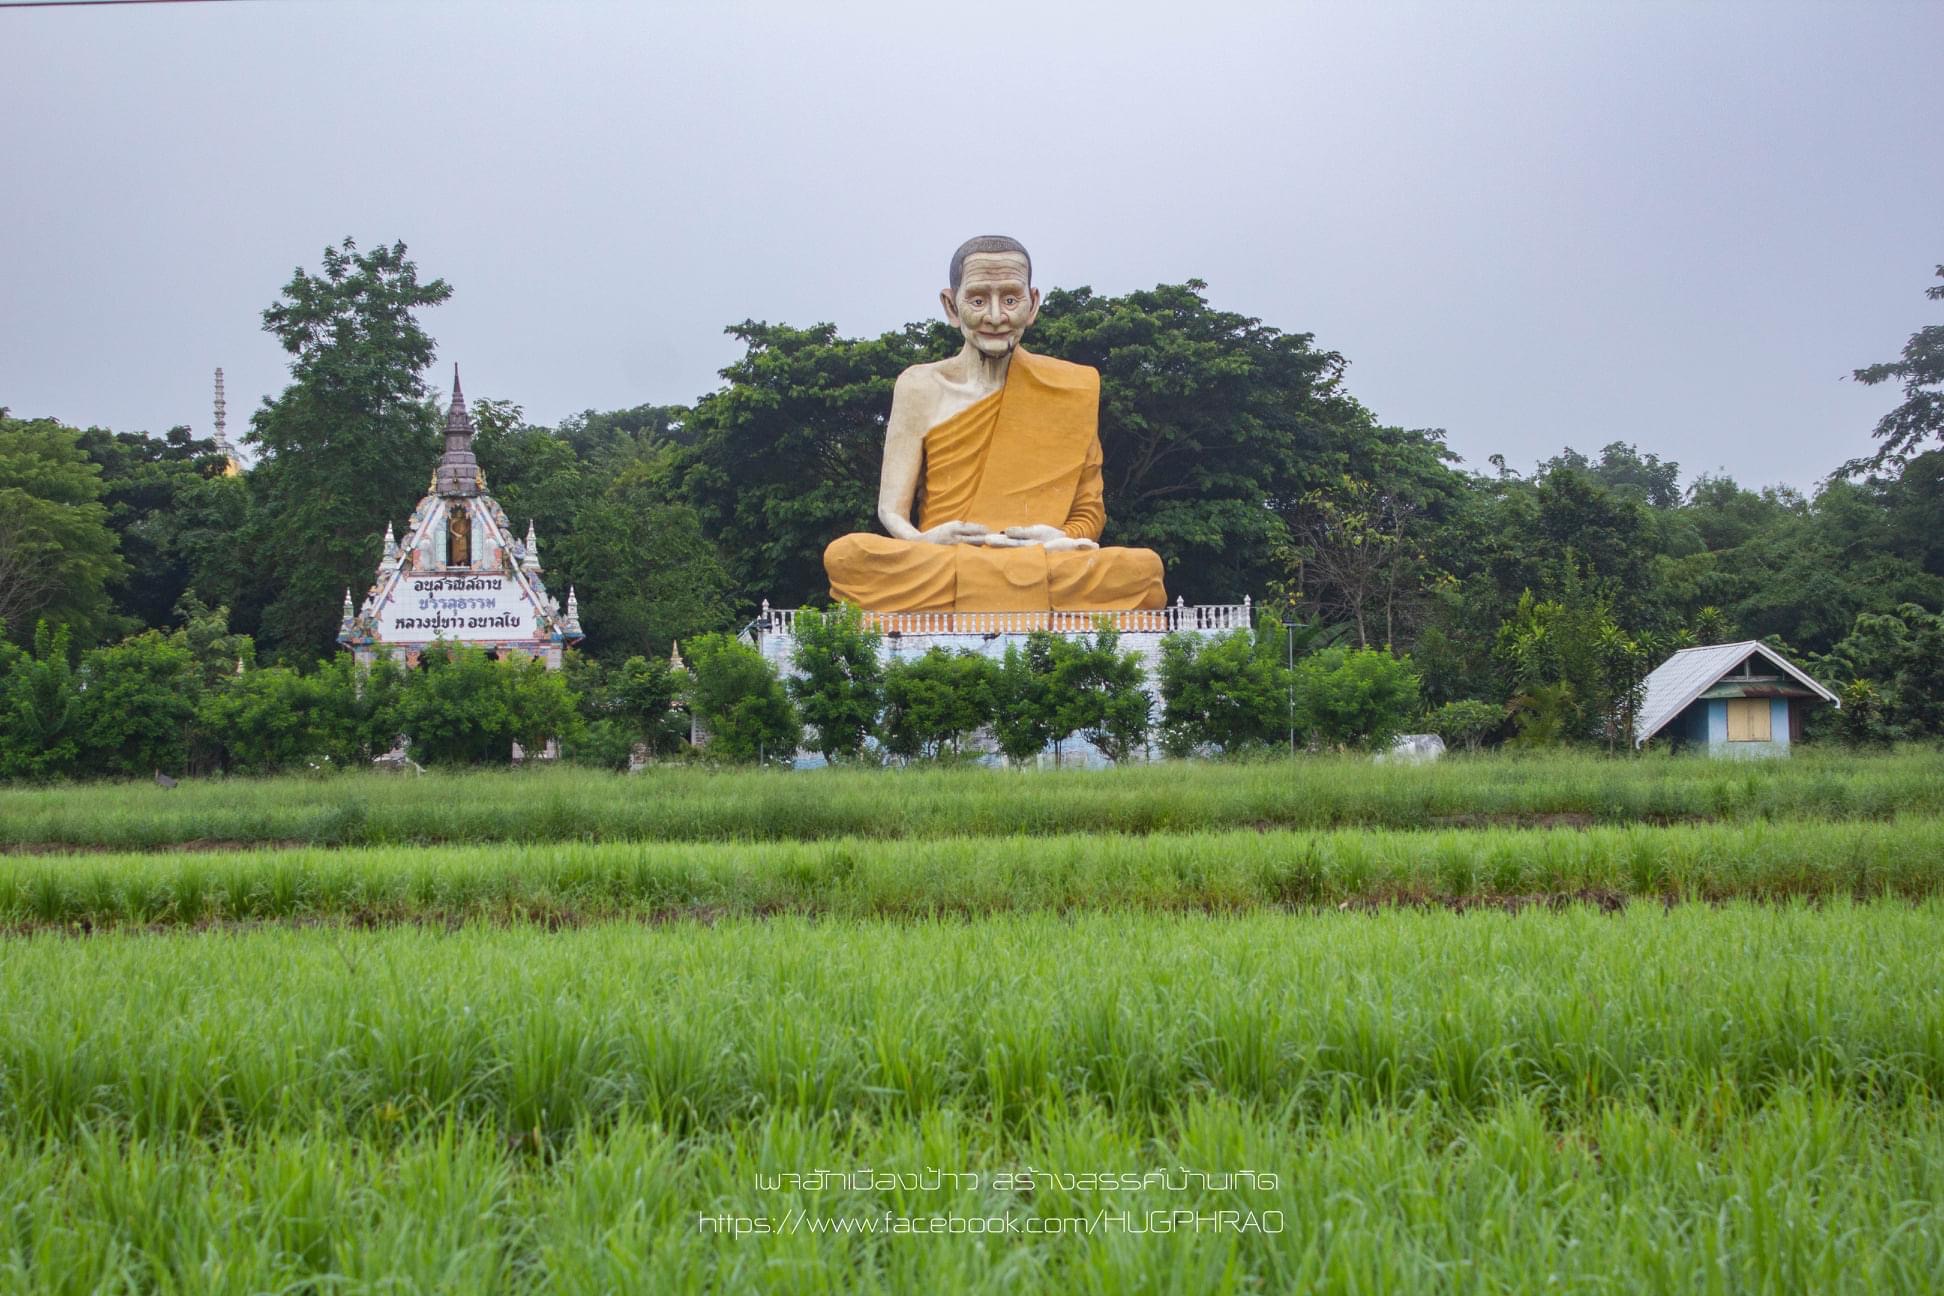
(882, 574)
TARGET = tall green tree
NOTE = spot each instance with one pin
(1900, 655)
(349, 445)
(58, 556)
(1803, 568)
(1565, 533)
(612, 523)
(1624, 470)
(1903, 431)
(1206, 417)
(598, 436)
(1356, 554)
(533, 472)
(1920, 681)
(1605, 538)
(1574, 671)
(646, 573)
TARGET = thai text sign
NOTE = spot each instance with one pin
(459, 605)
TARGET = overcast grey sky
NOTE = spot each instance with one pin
(1533, 225)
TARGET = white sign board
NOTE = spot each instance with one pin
(466, 607)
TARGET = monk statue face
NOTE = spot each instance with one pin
(994, 303)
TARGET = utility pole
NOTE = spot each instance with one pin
(1289, 642)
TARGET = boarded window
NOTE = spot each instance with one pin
(1748, 720)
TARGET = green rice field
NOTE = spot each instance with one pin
(685, 803)
(1257, 1028)
(573, 883)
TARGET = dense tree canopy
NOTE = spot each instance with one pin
(1206, 417)
(784, 458)
(175, 514)
(58, 556)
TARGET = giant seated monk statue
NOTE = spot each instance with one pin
(1000, 451)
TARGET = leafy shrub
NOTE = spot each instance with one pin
(932, 703)
(736, 695)
(839, 688)
(1860, 722)
(1231, 694)
(40, 711)
(1102, 694)
(638, 702)
(1355, 698)
(1023, 697)
(464, 707)
(360, 719)
(1466, 723)
(138, 700)
(268, 720)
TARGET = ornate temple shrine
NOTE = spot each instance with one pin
(460, 576)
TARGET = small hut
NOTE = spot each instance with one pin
(1738, 699)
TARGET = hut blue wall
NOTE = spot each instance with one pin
(1705, 724)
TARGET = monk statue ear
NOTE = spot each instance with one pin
(951, 306)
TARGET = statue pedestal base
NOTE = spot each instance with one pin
(910, 635)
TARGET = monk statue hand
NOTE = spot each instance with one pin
(1051, 537)
(950, 533)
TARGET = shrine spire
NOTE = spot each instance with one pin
(458, 472)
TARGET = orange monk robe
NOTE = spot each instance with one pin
(1029, 454)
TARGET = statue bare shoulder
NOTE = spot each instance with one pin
(925, 395)
(914, 398)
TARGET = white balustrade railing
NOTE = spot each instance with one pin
(1209, 617)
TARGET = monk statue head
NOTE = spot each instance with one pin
(992, 299)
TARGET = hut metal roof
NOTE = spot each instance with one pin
(1689, 673)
